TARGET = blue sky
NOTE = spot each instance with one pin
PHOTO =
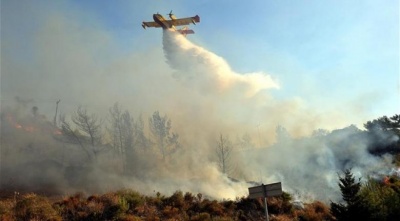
(341, 55)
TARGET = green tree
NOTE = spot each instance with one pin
(384, 134)
(382, 198)
(385, 124)
(353, 207)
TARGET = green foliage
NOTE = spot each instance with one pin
(375, 200)
(280, 205)
(354, 207)
(382, 198)
(114, 206)
(384, 134)
(132, 198)
(349, 188)
(385, 123)
(397, 160)
(286, 197)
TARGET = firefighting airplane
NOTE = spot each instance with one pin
(160, 21)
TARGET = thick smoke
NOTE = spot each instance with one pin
(36, 157)
(195, 88)
(307, 166)
(208, 72)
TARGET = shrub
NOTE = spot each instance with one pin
(213, 208)
(146, 211)
(133, 198)
(201, 217)
(128, 217)
(156, 201)
(314, 212)
(281, 218)
(382, 199)
(189, 198)
(249, 209)
(7, 210)
(176, 200)
(230, 207)
(170, 212)
(33, 207)
(75, 207)
(114, 206)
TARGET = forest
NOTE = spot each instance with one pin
(124, 167)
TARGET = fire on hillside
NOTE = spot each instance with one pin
(31, 124)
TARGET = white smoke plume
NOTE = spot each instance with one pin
(208, 72)
(307, 166)
(195, 88)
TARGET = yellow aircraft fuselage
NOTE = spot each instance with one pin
(161, 21)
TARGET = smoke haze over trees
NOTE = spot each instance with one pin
(77, 156)
(182, 90)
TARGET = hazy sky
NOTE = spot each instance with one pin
(327, 55)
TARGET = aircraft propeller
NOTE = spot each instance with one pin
(170, 13)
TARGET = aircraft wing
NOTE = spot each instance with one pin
(150, 24)
(185, 31)
(184, 21)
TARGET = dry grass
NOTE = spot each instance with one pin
(130, 205)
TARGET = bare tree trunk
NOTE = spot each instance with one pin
(223, 151)
(55, 116)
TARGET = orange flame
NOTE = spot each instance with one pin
(386, 180)
(31, 128)
(57, 132)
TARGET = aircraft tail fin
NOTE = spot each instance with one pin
(196, 18)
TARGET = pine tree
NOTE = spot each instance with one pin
(353, 207)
